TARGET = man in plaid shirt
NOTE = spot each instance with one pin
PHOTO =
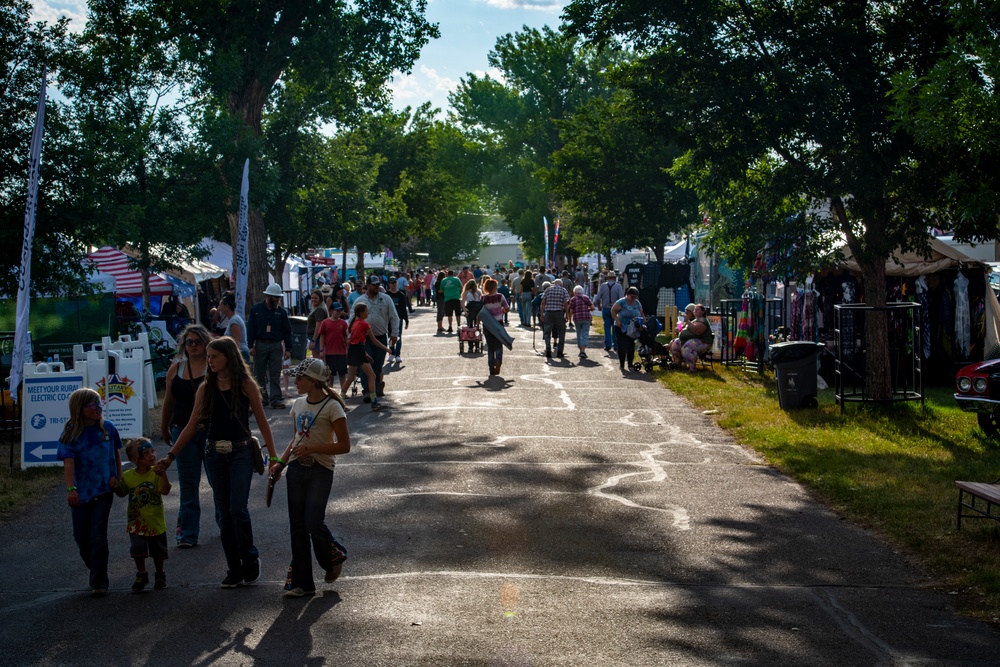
(555, 301)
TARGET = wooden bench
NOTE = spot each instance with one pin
(987, 493)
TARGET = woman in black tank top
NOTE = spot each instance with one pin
(225, 400)
(183, 379)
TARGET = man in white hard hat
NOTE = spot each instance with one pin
(269, 334)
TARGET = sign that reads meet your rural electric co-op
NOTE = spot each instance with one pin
(44, 411)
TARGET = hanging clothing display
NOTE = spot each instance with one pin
(795, 316)
(963, 320)
(809, 315)
(743, 326)
(923, 300)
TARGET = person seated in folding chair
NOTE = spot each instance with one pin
(695, 338)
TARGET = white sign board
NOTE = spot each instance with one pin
(45, 411)
(118, 379)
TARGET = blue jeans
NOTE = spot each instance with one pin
(378, 360)
(399, 341)
(230, 476)
(90, 530)
(609, 329)
(189, 465)
(267, 369)
(525, 310)
(582, 332)
(308, 494)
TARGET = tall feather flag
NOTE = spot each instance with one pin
(24, 278)
(242, 263)
(555, 242)
(545, 222)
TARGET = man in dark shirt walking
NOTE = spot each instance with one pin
(268, 329)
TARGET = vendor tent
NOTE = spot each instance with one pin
(128, 282)
(913, 264)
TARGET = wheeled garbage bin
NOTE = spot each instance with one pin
(795, 367)
(300, 340)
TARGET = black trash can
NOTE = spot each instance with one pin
(795, 367)
(299, 338)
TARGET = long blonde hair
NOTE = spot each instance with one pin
(78, 401)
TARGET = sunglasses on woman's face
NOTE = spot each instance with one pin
(193, 342)
(94, 406)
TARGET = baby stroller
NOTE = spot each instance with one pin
(651, 352)
(471, 335)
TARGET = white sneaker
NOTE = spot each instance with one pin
(399, 360)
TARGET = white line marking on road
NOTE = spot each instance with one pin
(442, 493)
(682, 520)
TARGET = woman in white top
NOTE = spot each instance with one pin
(471, 295)
(319, 422)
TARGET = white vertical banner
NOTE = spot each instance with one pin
(24, 278)
(545, 260)
(242, 265)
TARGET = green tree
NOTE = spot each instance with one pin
(546, 76)
(125, 87)
(953, 110)
(614, 176)
(337, 56)
(808, 83)
(25, 49)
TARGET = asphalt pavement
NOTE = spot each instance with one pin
(559, 514)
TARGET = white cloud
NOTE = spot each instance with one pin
(423, 85)
(75, 10)
(551, 6)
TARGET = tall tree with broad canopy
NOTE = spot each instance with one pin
(125, 84)
(954, 110)
(614, 176)
(546, 76)
(806, 83)
(25, 49)
(338, 54)
(423, 164)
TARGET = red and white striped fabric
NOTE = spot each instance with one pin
(128, 282)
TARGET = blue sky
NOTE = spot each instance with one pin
(469, 29)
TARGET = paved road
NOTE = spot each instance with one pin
(559, 515)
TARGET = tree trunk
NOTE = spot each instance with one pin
(247, 104)
(361, 266)
(144, 272)
(878, 383)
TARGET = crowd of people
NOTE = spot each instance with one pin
(223, 374)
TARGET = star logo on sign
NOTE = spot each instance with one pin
(115, 388)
